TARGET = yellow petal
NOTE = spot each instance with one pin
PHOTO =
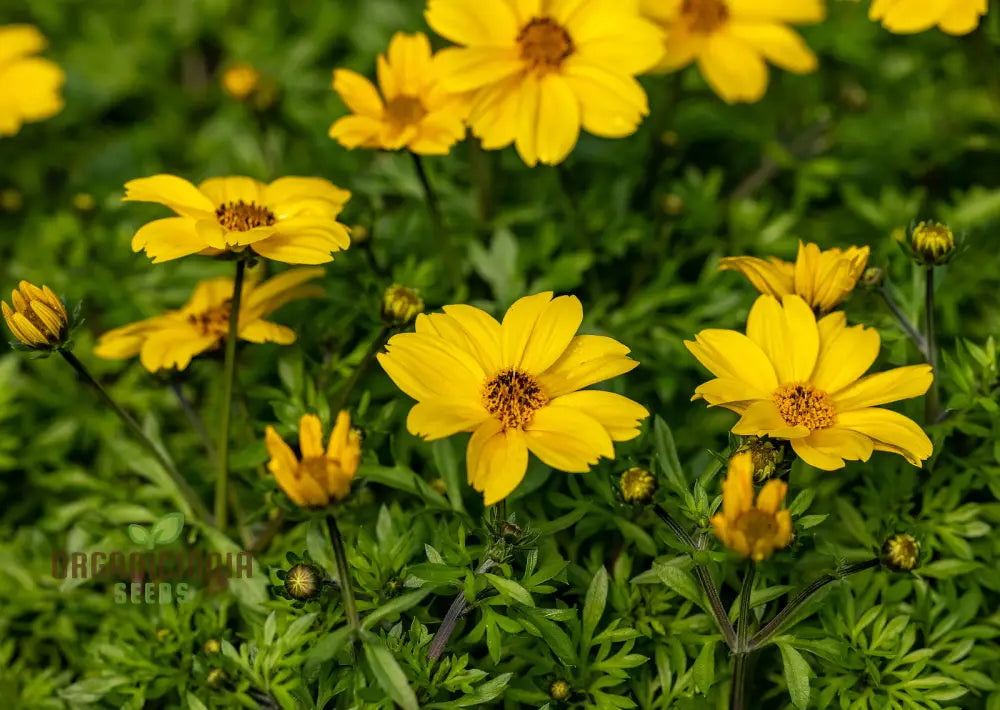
(358, 93)
(779, 45)
(845, 355)
(269, 296)
(517, 325)
(53, 324)
(823, 459)
(483, 23)
(734, 70)
(310, 436)
(619, 415)
(494, 113)
(176, 193)
(174, 347)
(436, 419)
(409, 56)
(962, 17)
(587, 360)
(726, 353)
(551, 334)
(726, 390)
(19, 40)
(526, 137)
(771, 496)
(803, 340)
(567, 439)
(356, 132)
(762, 418)
(304, 245)
(884, 387)
(283, 465)
(170, 238)
(612, 34)
(503, 461)
(611, 105)
(223, 190)
(909, 17)
(557, 125)
(285, 196)
(794, 11)
(773, 278)
(262, 331)
(891, 431)
(469, 68)
(426, 367)
(483, 332)
(737, 487)
(473, 453)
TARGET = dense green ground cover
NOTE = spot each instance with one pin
(890, 131)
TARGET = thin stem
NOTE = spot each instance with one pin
(434, 205)
(192, 416)
(765, 634)
(450, 621)
(739, 687)
(366, 359)
(229, 374)
(183, 487)
(343, 574)
(932, 405)
(905, 323)
(701, 573)
(743, 622)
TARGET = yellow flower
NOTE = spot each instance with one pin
(823, 278)
(417, 113)
(752, 531)
(731, 39)
(30, 85)
(38, 318)
(202, 324)
(293, 219)
(514, 385)
(793, 378)
(400, 305)
(956, 17)
(320, 476)
(541, 69)
(240, 80)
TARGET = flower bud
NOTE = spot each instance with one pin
(38, 318)
(673, 204)
(161, 634)
(637, 485)
(84, 202)
(932, 244)
(240, 80)
(304, 581)
(873, 277)
(901, 552)
(212, 646)
(765, 457)
(215, 676)
(400, 305)
(559, 690)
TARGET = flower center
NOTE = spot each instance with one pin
(404, 110)
(757, 525)
(214, 321)
(243, 216)
(802, 404)
(544, 43)
(704, 16)
(513, 397)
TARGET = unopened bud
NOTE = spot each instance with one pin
(765, 457)
(901, 552)
(400, 305)
(559, 690)
(873, 277)
(932, 244)
(303, 581)
(637, 485)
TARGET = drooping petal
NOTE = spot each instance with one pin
(503, 462)
(167, 239)
(438, 418)
(176, 193)
(773, 278)
(889, 429)
(884, 387)
(283, 465)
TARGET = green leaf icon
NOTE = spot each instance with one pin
(168, 528)
(140, 535)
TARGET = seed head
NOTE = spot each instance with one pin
(637, 485)
(901, 552)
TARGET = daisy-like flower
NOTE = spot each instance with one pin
(541, 69)
(30, 84)
(171, 340)
(823, 278)
(516, 385)
(293, 219)
(416, 113)
(956, 17)
(754, 531)
(731, 39)
(321, 475)
(38, 318)
(791, 377)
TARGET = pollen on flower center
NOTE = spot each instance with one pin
(404, 110)
(705, 16)
(214, 321)
(243, 216)
(757, 525)
(544, 43)
(802, 404)
(513, 397)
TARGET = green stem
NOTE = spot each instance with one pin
(229, 375)
(739, 687)
(743, 622)
(434, 205)
(932, 405)
(366, 359)
(183, 487)
(905, 323)
(343, 575)
(450, 621)
(192, 416)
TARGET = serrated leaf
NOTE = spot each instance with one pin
(168, 528)
(796, 675)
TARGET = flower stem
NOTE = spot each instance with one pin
(741, 655)
(229, 374)
(450, 621)
(704, 578)
(359, 370)
(183, 487)
(343, 575)
(932, 405)
(905, 323)
(743, 622)
(192, 416)
(764, 635)
(739, 686)
(434, 206)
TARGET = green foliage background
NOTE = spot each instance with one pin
(889, 131)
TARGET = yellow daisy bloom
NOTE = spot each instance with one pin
(30, 84)
(38, 318)
(293, 219)
(791, 377)
(417, 112)
(516, 385)
(541, 69)
(956, 17)
(321, 475)
(202, 324)
(752, 531)
(731, 39)
(823, 278)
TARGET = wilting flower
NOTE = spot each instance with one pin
(823, 278)
(416, 113)
(38, 318)
(400, 305)
(956, 17)
(932, 244)
(541, 70)
(731, 39)
(515, 386)
(901, 552)
(293, 219)
(320, 475)
(30, 84)
(202, 324)
(754, 531)
(240, 80)
(793, 378)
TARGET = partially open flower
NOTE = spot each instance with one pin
(752, 531)
(38, 318)
(321, 475)
(932, 244)
(901, 552)
(400, 305)
(637, 485)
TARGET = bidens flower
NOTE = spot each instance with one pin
(38, 318)
(793, 378)
(752, 531)
(293, 219)
(417, 113)
(541, 69)
(731, 39)
(29, 85)
(202, 324)
(823, 278)
(514, 385)
(321, 475)
(956, 17)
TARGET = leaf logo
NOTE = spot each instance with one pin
(164, 531)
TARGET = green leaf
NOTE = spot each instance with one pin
(593, 605)
(396, 606)
(140, 535)
(510, 588)
(194, 704)
(666, 455)
(318, 544)
(327, 647)
(389, 675)
(945, 569)
(796, 675)
(704, 668)
(446, 462)
(679, 581)
(168, 528)
(270, 628)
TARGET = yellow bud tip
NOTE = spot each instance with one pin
(637, 485)
(932, 243)
(212, 646)
(901, 552)
(240, 80)
(38, 318)
(559, 690)
(400, 305)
